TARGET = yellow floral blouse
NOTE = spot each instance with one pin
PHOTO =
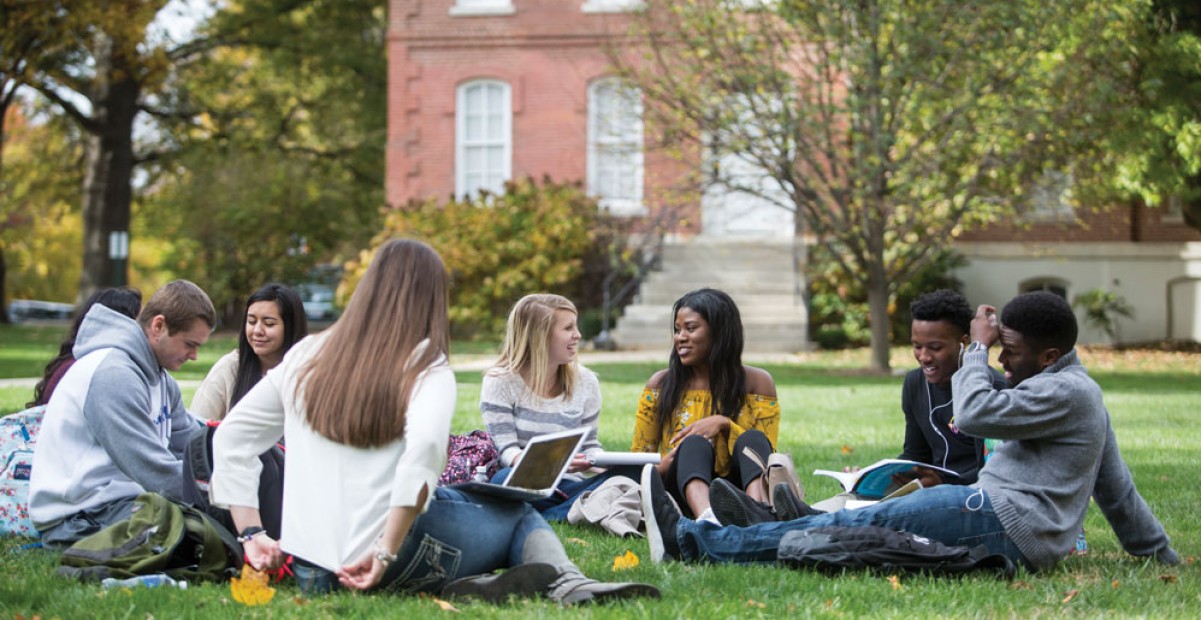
(758, 412)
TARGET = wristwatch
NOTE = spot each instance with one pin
(250, 533)
(976, 346)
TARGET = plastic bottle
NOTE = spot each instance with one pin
(481, 474)
(148, 581)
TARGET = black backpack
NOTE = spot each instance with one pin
(834, 548)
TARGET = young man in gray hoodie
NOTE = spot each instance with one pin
(1031, 497)
(116, 426)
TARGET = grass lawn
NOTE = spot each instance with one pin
(832, 417)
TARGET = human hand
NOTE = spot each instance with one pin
(985, 327)
(708, 428)
(850, 470)
(579, 462)
(363, 574)
(928, 477)
(665, 463)
(263, 553)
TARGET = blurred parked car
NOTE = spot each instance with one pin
(318, 301)
(34, 310)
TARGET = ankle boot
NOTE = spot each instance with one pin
(524, 580)
(572, 587)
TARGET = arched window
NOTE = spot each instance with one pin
(483, 137)
(1052, 285)
(615, 146)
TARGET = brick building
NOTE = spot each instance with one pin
(481, 91)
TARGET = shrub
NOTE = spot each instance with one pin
(536, 237)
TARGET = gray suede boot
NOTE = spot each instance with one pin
(572, 587)
(523, 581)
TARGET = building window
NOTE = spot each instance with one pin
(1051, 285)
(483, 138)
(610, 6)
(465, 8)
(1173, 210)
(1050, 199)
(615, 146)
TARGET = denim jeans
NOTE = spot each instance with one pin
(556, 507)
(461, 534)
(952, 515)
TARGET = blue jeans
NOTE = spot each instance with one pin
(952, 515)
(461, 534)
(556, 507)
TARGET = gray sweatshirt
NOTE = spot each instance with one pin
(1059, 449)
(115, 426)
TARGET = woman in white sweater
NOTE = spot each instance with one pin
(366, 408)
(273, 321)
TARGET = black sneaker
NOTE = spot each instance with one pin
(788, 506)
(661, 514)
(734, 507)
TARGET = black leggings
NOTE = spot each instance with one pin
(695, 459)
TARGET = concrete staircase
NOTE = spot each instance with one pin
(757, 274)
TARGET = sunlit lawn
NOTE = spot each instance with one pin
(833, 416)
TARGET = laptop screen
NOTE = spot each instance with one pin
(544, 460)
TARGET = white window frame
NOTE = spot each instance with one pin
(464, 143)
(469, 8)
(600, 147)
(611, 6)
(1173, 210)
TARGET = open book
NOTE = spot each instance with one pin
(875, 482)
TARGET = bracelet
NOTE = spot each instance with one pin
(249, 533)
(384, 557)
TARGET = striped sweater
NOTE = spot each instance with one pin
(513, 414)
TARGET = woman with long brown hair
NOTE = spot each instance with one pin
(366, 408)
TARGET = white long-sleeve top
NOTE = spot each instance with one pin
(336, 497)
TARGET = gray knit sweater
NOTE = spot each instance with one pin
(513, 414)
(1059, 449)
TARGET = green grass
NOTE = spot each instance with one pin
(826, 412)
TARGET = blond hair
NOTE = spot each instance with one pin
(526, 350)
(357, 386)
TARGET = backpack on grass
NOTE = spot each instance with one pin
(18, 436)
(159, 537)
(834, 548)
(466, 452)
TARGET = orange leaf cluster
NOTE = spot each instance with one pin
(252, 587)
(625, 562)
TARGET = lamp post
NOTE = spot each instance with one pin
(118, 252)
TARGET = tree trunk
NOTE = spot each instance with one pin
(107, 183)
(800, 268)
(877, 305)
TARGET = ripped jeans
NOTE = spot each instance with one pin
(952, 515)
(460, 534)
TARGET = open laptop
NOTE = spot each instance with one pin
(538, 471)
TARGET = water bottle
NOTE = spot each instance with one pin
(148, 581)
(481, 474)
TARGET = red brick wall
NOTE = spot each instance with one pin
(1118, 223)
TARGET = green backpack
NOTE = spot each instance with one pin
(159, 537)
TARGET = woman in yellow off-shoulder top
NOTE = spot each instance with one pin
(706, 408)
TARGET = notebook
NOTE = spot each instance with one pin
(538, 471)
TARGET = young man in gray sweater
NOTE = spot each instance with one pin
(1031, 498)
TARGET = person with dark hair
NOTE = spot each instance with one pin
(941, 320)
(366, 408)
(116, 426)
(273, 321)
(127, 301)
(706, 408)
(1030, 499)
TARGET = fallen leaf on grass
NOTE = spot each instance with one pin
(625, 562)
(754, 603)
(896, 582)
(1018, 584)
(300, 601)
(847, 449)
(1168, 578)
(1115, 584)
(1070, 595)
(578, 541)
(444, 605)
(251, 588)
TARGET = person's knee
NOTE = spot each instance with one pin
(755, 440)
